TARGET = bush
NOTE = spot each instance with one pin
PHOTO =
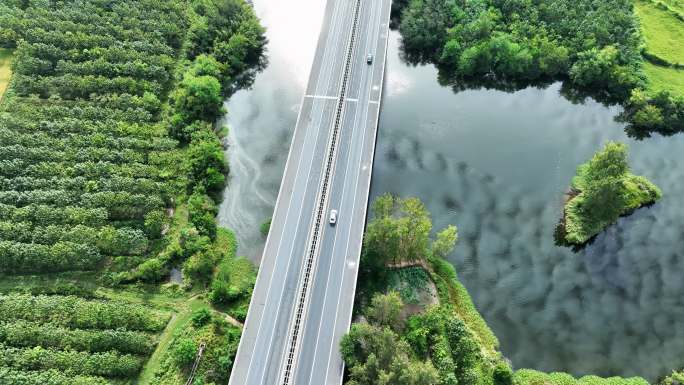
(201, 317)
(199, 267)
(184, 352)
(202, 212)
(155, 221)
(265, 227)
(503, 375)
(533, 377)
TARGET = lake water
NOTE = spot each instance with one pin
(495, 164)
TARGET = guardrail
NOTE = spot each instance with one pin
(291, 353)
(195, 365)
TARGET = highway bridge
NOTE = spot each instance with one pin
(304, 294)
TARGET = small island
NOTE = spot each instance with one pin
(603, 190)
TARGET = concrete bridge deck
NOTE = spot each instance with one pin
(304, 294)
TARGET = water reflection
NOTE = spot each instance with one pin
(262, 119)
(497, 165)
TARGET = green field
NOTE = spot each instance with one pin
(5, 71)
(664, 78)
(663, 31)
(676, 5)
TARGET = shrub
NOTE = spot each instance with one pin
(184, 352)
(201, 317)
(503, 375)
(265, 227)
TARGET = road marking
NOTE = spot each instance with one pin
(332, 253)
(322, 97)
(354, 200)
(364, 208)
(322, 200)
(287, 212)
(376, 32)
(373, 101)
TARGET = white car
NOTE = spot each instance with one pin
(333, 217)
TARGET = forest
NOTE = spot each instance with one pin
(111, 170)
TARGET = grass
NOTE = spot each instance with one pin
(534, 377)
(675, 5)
(5, 70)
(663, 31)
(452, 291)
(664, 78)
(177, 323)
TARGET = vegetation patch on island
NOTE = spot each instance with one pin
(439, 342)
(603, 190)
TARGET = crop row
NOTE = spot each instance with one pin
(27, 334)
(72, 141)
(18, 257)
(47, 377)
(106, 364)
(113, 108)
(43, 215)
(114, 183)
(91, 170)
(109, 240)
(78, 313)
(73, 86)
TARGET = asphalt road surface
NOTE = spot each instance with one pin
(267, 338)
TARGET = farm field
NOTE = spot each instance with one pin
(664, 78)
(108, 242)
(87, 341)
(5, 71)
(663, 33)
(675, 5)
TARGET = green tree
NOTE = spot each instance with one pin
(197, 98)
(206, 163)
(445, 242)
(385, 310)
(202, 213)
